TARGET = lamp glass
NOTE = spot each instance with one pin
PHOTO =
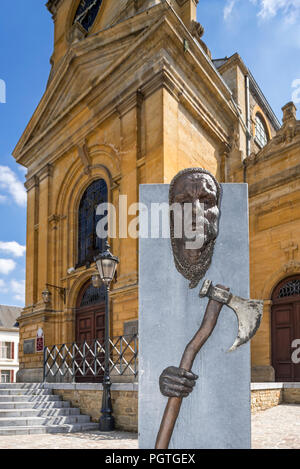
(96, 281)
(107, 269)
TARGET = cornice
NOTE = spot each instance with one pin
(31, 183)
(182, 2)
(53, 5)
(45, 172)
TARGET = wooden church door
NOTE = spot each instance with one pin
(285, 329)
(90, 325)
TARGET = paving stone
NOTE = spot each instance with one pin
(277, 428)
(86, 440)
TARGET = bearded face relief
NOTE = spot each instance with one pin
(194, 221)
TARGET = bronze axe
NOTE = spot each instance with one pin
(249, 314)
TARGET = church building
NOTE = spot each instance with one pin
(134, 96)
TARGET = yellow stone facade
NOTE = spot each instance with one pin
(274, 191)
(133, 101)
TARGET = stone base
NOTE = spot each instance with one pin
(128, 377)
(30, 375)
(262, 374)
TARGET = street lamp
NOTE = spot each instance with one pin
(106, 265)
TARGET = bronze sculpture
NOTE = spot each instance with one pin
(198, 186)
(195, 186)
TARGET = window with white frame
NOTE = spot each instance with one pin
(261, 134)
(6, 350)
(5, 376)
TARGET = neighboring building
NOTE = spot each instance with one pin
(9, 343)
(133, 97)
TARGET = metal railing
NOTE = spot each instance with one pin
(71, 362)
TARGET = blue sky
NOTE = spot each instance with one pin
(266, 34)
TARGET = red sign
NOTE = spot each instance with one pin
(40, 341)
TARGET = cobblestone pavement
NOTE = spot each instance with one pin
(86, 440)
(277, 428)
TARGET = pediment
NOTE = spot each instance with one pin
(75, 77)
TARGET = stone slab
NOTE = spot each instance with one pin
(217, 414)
(30, 375)
(29, 347)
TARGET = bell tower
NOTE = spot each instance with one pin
(74, 20)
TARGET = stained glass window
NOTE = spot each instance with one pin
(260, 131)
(89, 244)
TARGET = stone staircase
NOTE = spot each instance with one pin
(27, 409)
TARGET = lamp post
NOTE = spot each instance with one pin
(106, 264)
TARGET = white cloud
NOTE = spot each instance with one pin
(270, 8)
(229, 8)
(296, 92)
(12, 247)
(3, 286)
(18, 287)
(7, 266)
(3, 199)
(290, 9)
(12, 185)
(22, 170)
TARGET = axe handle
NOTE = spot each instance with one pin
(174, 403)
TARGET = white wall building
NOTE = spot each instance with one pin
(9, 343)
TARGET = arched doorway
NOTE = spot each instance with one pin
(90, 326)
(285, 328)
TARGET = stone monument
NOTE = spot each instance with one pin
(217, 413)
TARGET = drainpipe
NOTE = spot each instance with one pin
(248, 122)
(248, 125)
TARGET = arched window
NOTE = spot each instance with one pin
(87, 12)
(291, 288)
(92, 296)
(261, 133)
(89, 245)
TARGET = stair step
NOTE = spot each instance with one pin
(37, 421)
(29, 398)
(21, 385)
(8, 413)
(25, 392)
(35, 405)
(29, 408)
(39, 429)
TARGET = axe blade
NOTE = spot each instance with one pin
(249, 314)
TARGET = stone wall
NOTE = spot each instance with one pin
(291, 394)
(264, 399)
(266, 395)
(88, 397)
